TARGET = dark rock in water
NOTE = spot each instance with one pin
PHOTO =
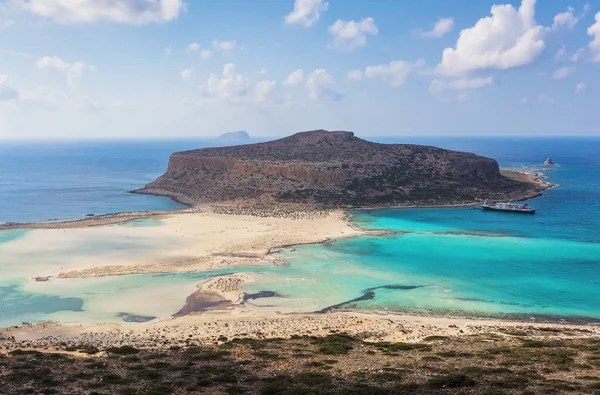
(548, 162)
(234, 137)
(334, 169)
(259, 295)
(135, 318)
(90, 215)
(368, 294)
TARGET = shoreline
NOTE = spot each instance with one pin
(208, 326)
(225, 303)
(232, 208)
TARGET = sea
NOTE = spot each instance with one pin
(456, 261)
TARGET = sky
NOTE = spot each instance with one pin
(80, 69)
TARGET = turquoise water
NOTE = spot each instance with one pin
(454, 260)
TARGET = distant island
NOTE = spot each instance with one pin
(337, 170)
(240, 136)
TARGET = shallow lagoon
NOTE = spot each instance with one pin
(458, 260)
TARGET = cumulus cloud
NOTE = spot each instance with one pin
(568, 18)
(193, 47)
(580, 87)
(73, 71)
(561, 52)
(9, 23)
(6, 92)
(263, 91)
(594, 45)
(168, 50)
(294, 78)
(349, 35)
(355, 75)
(262, 71)
(395, 72)
(442, 27)
(136, 12)
(234, 88)
(224, 45)
(205, 54)
(186, 75)
(318, 84)
(563, 72)
(437, 86)
(508, 38)
(306, 12)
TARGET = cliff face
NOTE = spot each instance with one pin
(333, 169)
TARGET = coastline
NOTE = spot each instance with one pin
(538, 185)
(218, 303)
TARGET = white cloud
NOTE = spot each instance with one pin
(230, 86)
(224, 45)
(594, 45)
(318, 84)
(74, 71)
(205, 54)
(234, 88)
(306, 12)
(442, 27)
(6, 92)
(568, 18)
(396, 71)
(294, 78)
(9, 23)
(348, 35)
(561, 52)
(355, 75)
(563, 72)
(263, 91)
(509, 38)
(262, 71)
(193, 47)
(577, 55)
(136, 12)
(437, 86)
(168, 51)
(543, 98)
(580, 87)
(186, 75)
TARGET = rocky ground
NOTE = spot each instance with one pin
(517, 361)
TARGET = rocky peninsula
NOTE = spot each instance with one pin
(337, 170)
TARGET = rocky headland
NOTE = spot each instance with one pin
(337, 170)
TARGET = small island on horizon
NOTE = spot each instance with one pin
(240, 136)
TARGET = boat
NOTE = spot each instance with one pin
(509, 207)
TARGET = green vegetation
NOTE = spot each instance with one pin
(457, 365)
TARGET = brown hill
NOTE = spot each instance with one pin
(335, 169)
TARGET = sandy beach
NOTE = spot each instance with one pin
(205, 238)
(188, 241)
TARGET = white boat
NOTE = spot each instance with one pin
(509, 207)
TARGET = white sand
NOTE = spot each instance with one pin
(186, 242)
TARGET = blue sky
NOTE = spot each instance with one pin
(173, 68)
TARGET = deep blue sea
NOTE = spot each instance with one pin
(67, 180)
(451, 260)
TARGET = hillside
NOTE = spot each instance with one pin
(335, 169)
